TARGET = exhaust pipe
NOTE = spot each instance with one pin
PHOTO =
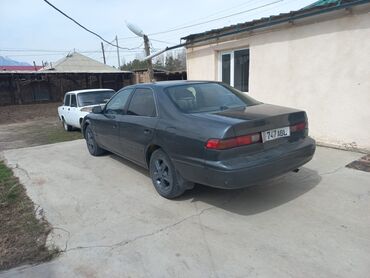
(296, 170)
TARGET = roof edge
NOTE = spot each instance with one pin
(270, 21)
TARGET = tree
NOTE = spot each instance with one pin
(171, 61)
(135, 64)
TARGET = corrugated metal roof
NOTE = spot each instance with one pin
(323, 3)
(319, 6)
(20, 68)
(76, 62)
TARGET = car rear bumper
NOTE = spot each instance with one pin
(245, 171)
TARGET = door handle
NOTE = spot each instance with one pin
(147, 131)
(109, 116)
(114, 126)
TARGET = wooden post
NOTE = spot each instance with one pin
(102, 49)
(100, 81)
(119, 62)
(12, 89)
(61, 94)
(19, 94)
(149, 61)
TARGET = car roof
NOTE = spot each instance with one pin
(165, 84)
(88, 91)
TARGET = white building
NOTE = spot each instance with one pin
(316, 59)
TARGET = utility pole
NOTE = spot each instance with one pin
(149, 61)
(119, 62)
(102, 49)
(138, 32)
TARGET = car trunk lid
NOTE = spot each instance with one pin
(262, 117)
(250, 121)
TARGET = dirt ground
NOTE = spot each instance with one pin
(32, 125)
(21, 113)
(22, 235)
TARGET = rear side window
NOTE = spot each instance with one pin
(73, 101)
(207, 97)
(92, 98)
(142, 103)
(67, 99)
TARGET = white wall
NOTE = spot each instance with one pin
(323, 68)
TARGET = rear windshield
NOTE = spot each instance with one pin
(91, 98)
(208, 97)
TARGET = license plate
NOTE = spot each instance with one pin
(273, 134)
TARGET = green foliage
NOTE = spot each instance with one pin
(9, 186)
(59, 135)
(5, 172)
(171, 62)
(22, 235)
(135, 65)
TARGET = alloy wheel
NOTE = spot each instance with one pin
(162, 174)
(90, 140)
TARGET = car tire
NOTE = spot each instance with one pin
(166, 180)
(66, 126)
(92, 146)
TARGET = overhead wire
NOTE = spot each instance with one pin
(83, 27)
(255, 14)
(184, 26)
(217, 13)
(215, 19)
(134, 50)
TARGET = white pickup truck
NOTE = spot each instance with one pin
(77, 104)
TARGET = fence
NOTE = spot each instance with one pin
(35, 87)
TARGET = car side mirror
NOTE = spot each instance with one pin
(97, 109)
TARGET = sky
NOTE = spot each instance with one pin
(31, 30)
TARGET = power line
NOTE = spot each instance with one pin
(217, 13)
(252, 15)
(184, 26)
(83, 27)
(216, 19)
(128, 38)
(167, 42)
(255, 14)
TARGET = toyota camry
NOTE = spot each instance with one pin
(187, 132)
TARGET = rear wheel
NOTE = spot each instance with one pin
(166, 180)
(92, 146)
(66, 126)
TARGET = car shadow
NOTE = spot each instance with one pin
(129, 164)
(257, 198)
(250, 200)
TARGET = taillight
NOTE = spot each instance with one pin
(222, 144)
(298, 127)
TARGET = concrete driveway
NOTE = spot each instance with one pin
(110, 221)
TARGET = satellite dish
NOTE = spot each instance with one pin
(135, 29)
